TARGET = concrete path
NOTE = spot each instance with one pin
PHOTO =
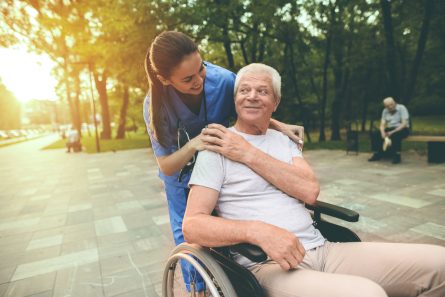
(97, 225)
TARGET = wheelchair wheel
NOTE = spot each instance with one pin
(216, 282)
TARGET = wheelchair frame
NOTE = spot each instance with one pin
(226, 278)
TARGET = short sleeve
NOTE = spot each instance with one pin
(208, 171)
(383, 114)
(404, 113)
(158, 149)
(295, 151)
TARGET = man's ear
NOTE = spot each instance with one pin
(277, 102)
(163, 81)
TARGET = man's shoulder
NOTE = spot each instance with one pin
(401, 106)
(209, 155)
(275, 134)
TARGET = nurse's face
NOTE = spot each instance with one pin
(188, 77)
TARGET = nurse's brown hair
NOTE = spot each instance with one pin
(166, 52)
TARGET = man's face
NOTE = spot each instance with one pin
(391, 106)
(254, 100)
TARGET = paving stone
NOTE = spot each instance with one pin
(101, 228)
(48, 293)
(6, 274)
(110, 226)
(83, 280)
(53, 264)
(30, 286)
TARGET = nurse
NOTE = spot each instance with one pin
(185, 95)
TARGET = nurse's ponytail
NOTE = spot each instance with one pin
(165, 53)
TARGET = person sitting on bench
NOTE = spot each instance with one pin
(394, 126)
(73, 141)
(263, 204)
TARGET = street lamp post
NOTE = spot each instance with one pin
(90, 70)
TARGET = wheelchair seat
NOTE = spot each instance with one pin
(230, 279)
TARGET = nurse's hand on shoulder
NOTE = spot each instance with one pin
(295, 133)
(197, 143)
(221, 140)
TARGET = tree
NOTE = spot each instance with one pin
(10, 109)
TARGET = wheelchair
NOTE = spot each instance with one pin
(226, 278)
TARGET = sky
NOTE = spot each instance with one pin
(27, 75)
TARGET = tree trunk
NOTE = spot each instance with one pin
(420, 50)
(322, 136)
(77, 103)
(243, 50)
(74, 111)
(228, 49)
(293, 74)
(101, 86)
(390, 49)
(254, 47)
(123, 114)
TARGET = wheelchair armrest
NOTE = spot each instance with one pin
(256, 254)
(333, 210)
(252, 252)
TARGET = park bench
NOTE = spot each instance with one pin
(436, 146)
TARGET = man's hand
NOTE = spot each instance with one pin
(280, 245)
(221, 140)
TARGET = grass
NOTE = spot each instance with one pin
(132, 141)
(19, 140)
(430, 125)
(364, 144)
(425, 125)
(13, 142)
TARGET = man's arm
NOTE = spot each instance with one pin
(382, 128)
(200, 227)
(298, 180)
(403, 124)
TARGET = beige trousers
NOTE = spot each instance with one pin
(359, 269)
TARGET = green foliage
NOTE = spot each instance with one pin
(292, 36)
(9, 109)
(133, 141)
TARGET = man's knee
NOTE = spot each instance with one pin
(432, 261)
(366, 288)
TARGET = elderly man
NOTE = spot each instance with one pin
(265, 206)
(394, 126)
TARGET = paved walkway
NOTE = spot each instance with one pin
(97, 225)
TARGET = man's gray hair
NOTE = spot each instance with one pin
(388, 100)
(262, 68)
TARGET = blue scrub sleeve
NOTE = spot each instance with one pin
(158, 149)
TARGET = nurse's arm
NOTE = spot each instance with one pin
(294, 132)
(174, 162)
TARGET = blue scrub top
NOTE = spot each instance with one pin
(218, 88)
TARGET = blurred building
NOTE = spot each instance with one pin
(44, 112)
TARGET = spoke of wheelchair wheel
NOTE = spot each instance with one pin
(179, 287)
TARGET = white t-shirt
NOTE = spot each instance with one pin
(245, 195)
(393, 120)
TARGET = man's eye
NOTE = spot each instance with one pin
(263, 92)
(244, 91)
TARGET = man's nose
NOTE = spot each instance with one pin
(252, 95)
